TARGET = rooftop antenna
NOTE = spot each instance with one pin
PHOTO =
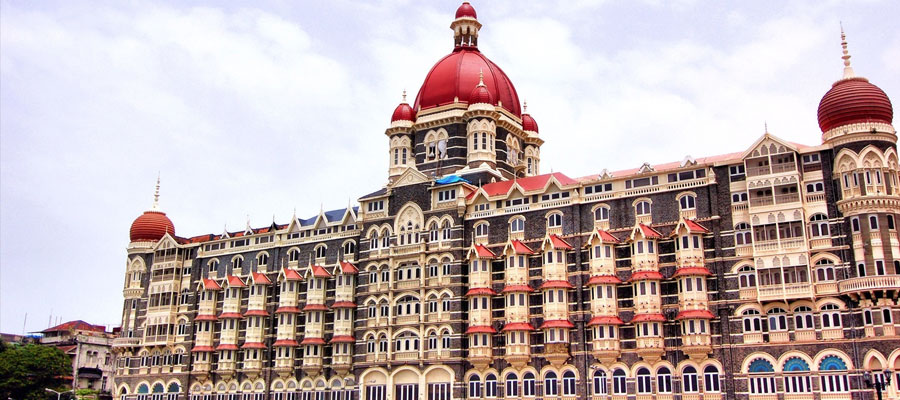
(525, 107)
(848, 70)
(156, 194)
(766, 125)
(404, 95)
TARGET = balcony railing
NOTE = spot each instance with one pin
(867, 283)
(785, 291)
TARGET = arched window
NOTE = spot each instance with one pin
(642, 208)
(818, 226)
(490, 386)
(512, 385)
(433, 233)
(761, 379)
(554, 220)
(747, 277)
(262, 259)
(831, 316)
(320, 251)
(687, 202)
(833, 375)
(777, 319)
(689, 380)
(349, 248)
(236, 263)
(824, 270)
(445, 231)
(619, 381)
(474, 387)
(528, 387)
(481, 230)
(601, 213)
(796, 377)
(644, 381)
(600, 386)
(517, 225)
(551, 385)
(803, 318)
(568, 383)
(743, 235)
(711, 379)
(664, 380)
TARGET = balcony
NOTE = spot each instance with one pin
(437, 354)
(408, 284)
(606, 351)
(805, 335)
(779, 337)
(126, 342)
(820, 243)
(815, 197)
(439, 316)
(407, 319)
(650, 349)
(438, 281)
(832, 333)
(200, 368)
(856, 286)
(786, 291)
(480, 356)
(341, 363)
(377, 357)
(252, 368)
(752, 337)
(408, 249)
(745, 250)
(312, 365)
(406, 355)
(519, 355)
(556, 353)
(284, 366)
(778, 246)
(825, 288)
(696, 346)
(225, 368)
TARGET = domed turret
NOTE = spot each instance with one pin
(853, 100)
(528, 123)
(403, 112)
(152, 225)
(480, 94)
(466, 10)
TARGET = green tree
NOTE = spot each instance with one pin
(26, 370)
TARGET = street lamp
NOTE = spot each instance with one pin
(879, 385)
(58, 394)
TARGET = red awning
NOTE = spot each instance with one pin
(202, 349)
(210, 284)
(481, 292)
(695, 314)
(645, 275)
(557, 323)
(256, 313)
(484, 252)
(261, 279)
(230, 315)
(518, 326)
(649, 232)
(606, 236)
(281, 310)
(226, 347)
(343, 304)
(253, 345)
(285, 343)
(521, 248)
(291, 274)
(694, 271)
(481, 329)
(556, 285)
(649, 318)
(613, 320)
(320, 272)
(694, 227)
(343, 339)
(349, 268)
(315, 307)
(206, 317)
(517, 288)
(604, 279)
(235, 281)
(312, 340)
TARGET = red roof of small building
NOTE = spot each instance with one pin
(517, 288)
(230, 315)
(312, 340)
(606, 236)
(77, 325)
(151, 226)
(604, 279)
(694, 227)
(703, 271)
(202, 349)
(320, 272)
(481, 329)
(206, 317)
(557, 323)
(211, 284)
(290, 309)
(649, 232)
(649, 318)
(556, 285)
(253, 345)
(606, 320)
(484, 252)
(695, 314)
(521, 248)
(291, 274)
(315, 307)
(285, 343)
(559, 243)
(645, 275)
(349, 268)
(225, 346)
(256, 313)
(235, 281)
(481, 292)
(343, 304)
(518, 326)
(342, 339)
(261, 279)
(528, 184)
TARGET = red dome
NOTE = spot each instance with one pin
(854, 100)
(466, 10)
(528, 123)
(480, 95)
(403, 112)
(455, 75)
(151, 226)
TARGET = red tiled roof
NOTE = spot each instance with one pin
(692, 271)
(206, 317)
(320, 272)
(342, 339)
(695, 314)
(285, 343)
(226, 347)
(210, 284)
(256, 313)
(694, 227)
(291, 274)
(261, 279)
(343, 304)
(644, 275)
(312, 340)
(556, 285)
(658, 168)
(649, 232)
(517, 288)
(253, 345)
(202, 349)
(606, 236)
(518, 326)
(481, 329)
(230, 315)
(613, 320)
(77, 325)
(349, 268)
(290, 309)
(315, 307)
(527, 184)
(559, 244)
(483, 252)
(521, 248)
(648, 318)
(481, 292)
(557, 323)
(235, 281)
(68, 349)
(601, 279)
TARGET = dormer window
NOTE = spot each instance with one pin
(554, 220)
(320, 251)
(446, 195)
(375, 206)
(642, 208)
(481, 230)
(601, 213)
(517, 225)
(687, 202)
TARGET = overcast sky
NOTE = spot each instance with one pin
(253, 109)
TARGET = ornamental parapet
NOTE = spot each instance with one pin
(865, 284)
(868, 204)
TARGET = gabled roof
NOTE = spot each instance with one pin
(771, 137)
(234, 281)
(604, 236)
(690, 225)
(348, 268)
(211, 284)
(290, 274)
(525, 185)
(519, 248)
(77, 325)
(645, 230)
(260, 279)
(319, 271)
(378, 193)
(557, 243)
(481, 251)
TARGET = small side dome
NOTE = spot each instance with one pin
(151, 226)
(529, 124)
(403, 112)
(466, 10)
(480, 93)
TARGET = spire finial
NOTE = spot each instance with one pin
(525, 106)
(766, 126)
(404, 95)
(481, 77)
(848, 70)
(156, 194)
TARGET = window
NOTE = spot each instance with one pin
(811, 158)
(664, 380)
(687, 175)
(777, 319)
(554, 220)
(528, 387)
(512, 385)
(644, 381)
(601, 214)
(711, 379)
(815, 187)
(481, 230)
(446, 195)
(619, 382)
(517, 225)
(886, 317)
(375, 206)
(641, 182)
(349, 248)
(890, 221)
(600, 188)
(689, 380)
(761, 379)
(642, 208)
(831, 316)
(803, 318)
(736, 171)
(818, 225)
(739, 197)
(599, 382)
(873, 223)
(833, 375)
(796, 376)
(555, 196)
(490, 386)
(752, 321)
(742, 234)
(320, 251)
(854, 224)
(551, 384)
(568, 383)
(687, 202)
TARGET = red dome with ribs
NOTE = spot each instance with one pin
(466, 10)
(403, 112)
(480, 95)
(854, 100)
(151, 226)
(528, 123)
(456, 75)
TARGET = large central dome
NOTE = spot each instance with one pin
(453, 77)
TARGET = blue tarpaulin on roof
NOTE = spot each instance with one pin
(450, 179)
